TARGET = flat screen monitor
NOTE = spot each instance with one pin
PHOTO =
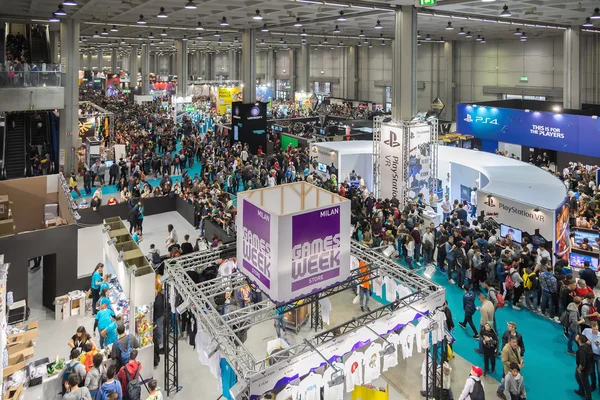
(590, 235)
(576, 260)
(465, 193)
(321, 131)
(322, 167)
(538, 241)
(514, 233)
(467, 144)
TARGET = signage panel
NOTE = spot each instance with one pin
(420, 161)
(391, 168)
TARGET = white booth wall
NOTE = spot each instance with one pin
(346, 156)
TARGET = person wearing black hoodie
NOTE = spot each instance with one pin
(585, 366)
(469, 307)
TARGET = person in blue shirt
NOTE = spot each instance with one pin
(110, 332)
(137, 236)
(450, 247)
(593, 338)
(104, 318)
(111, 384)
(96, 282)
(104, 299)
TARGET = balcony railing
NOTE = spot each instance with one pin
(21, 79)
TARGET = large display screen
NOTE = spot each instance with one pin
(515, 234)
(579, 134)
(590, 235)
(576, 260)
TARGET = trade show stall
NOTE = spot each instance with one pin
(345, 157)
(524, 200)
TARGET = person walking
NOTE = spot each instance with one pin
(490, 346)
(450, 248)
(473, 389)
(73, 184)
(572, 319)
(511, 353)
(155, 394)
(124, 345)
(364, 287)
(585, 366)
(593, 338)
(428, 246)
(510, 332)
(95, 286)
(469, 308)
(487, 314)
(514, 388)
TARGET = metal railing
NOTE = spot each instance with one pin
(22, 79)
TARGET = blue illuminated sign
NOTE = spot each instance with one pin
(569, 133)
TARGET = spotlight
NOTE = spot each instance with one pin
(556, 108)
(161, 14)
(107, 228)
(111, 241)
(505, 12)
(536, 209)
(257, 15)
(183, 306)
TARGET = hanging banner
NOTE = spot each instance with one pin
(87, 127)
(256, 243)
(562, 241)
(420, 161)
(391, 167)
(226, 96)
(264, 94)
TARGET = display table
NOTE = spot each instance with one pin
(367, 393)
(51, 386)
(430, 216)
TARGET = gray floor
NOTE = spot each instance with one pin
(194, 378)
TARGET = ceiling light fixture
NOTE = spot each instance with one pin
(217, 34)
(123, 41)
(359, 44)
(104, 32)
(69, 3)
(163, 33)
(478, 38)
(469, 36)
(190, 5)
(298, 23)
(418, 34)
(505, 12)
(523, 37)
(257, 15)
(151, 36)
(341, 18)
(199, 36)
(53, 18)
(141, 21)
(140, 37)
(361, 34)
(264, 28)
(60, 12)
(262, 41)
(483, 40)
(184, 38)
(281, 41)
(95, 35)
(462, 31)
(449, 27)
(303, 32)
(336, 29)
(378, 25)
(114, 29)
(487, 1)
(236, 40)
(370, 45)
(588, 22)
(224, 22)
(596, 14)
(518, 32)
(428, 38)
(161, 14)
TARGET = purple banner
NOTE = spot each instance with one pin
(315, 248)
(257, 243)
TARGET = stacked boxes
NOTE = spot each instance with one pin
(6, 221)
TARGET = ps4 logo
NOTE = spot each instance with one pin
(482, 120)
(393, 140)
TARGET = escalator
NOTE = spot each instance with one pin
(14, 158)
(40, 48)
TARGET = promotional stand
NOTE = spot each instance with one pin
(255, 377)
(132, 286)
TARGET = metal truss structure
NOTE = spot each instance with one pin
(377, 154)
(433, 179)
(171, 347)
(199, 299)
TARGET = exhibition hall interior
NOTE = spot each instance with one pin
(299, 199)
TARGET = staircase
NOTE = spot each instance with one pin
(15, 146)
(39, 136)
(39, 49)
(16, 28)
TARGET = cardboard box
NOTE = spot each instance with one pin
(26, 349)
(14, 393)
(15, 364)
(4, 206)
(30, 333)
(7, 227)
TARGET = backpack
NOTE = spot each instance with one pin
(156, 260)
(591, 310)
(564, 319)
(526, 281)
(220, 299)
(508, 282)
(70, 369)
(499, 299)
(125, 353)
(477, 393)
(133, 390)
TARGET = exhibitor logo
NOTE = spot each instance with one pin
(393, 140)
(514, 210)
(489, 202)
(255, 111)
(481, 120)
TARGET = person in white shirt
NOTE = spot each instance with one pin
(271, 181)
(433, 200)
(446, 207)
(473, 384)
(474, 203)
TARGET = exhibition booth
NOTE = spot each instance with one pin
(345, 156)
(299, 265)
(535, 127)
(526, 201)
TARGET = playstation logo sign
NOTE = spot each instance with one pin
(393, 140)
(492, 121)
(489, 202)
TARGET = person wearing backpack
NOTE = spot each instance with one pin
(473, 389)
(587, 311)
(588, 275)
(110, 386)
(530, 283)
(123, 347)
(74, 391)
(74, 366)
(96, 376)
(129, 376)
(549, 286)
(571, 319)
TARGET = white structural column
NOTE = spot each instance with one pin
(449, 81)
(113, 61)
(249, 66)
(146, 69)
(572, 68)
(156, 64)
(133, 66)
(54, 47)
(270, 75)
(304, 78)
(231, 68)
(207, 66)
(69, 116)
(404, 72)
(352, 73)
(293, 82)
(238, 64)
(182, 70)
(100, 60)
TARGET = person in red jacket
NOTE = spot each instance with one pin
(583, 289)
(132, 369)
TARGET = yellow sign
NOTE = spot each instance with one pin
(226, 97)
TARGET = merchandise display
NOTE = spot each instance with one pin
(333, 392)
(310, 387)
(372, 363)
(143, 324)
(353, 369)
(118, 300)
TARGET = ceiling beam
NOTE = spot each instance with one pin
(83, 8)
